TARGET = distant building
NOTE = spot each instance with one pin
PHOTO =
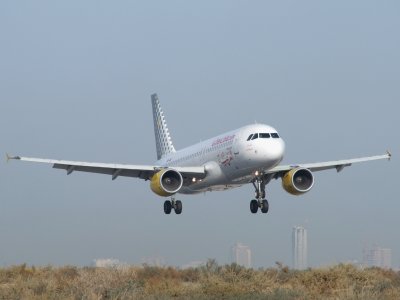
(154, 261)
(299, 248)
(194, 264)
(241, 255)
(378, 257)
(386, 258)
(108, 263)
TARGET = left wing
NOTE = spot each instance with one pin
(115, 170)
(338, 165)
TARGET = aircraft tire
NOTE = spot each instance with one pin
(167, 207)
(178, 207)
(253, 206)
(264, 206)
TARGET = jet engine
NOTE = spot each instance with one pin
(166, 182)
(298, 181)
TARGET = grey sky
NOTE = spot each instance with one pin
(75, 83)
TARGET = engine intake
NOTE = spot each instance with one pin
(166, 182)
(298, 181)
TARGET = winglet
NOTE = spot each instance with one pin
(389, 154)
(11, 157)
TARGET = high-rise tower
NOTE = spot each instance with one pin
(299, 246)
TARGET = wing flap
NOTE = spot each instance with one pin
(144, 174)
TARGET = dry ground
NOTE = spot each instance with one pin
(209, 282)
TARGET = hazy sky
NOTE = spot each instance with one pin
(75, 83)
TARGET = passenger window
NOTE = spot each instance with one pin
(275, 135)
(255, 136)
(265, 135)
(250, 136)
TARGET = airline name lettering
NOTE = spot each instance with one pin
(223, 140)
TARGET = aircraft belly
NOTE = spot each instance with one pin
(197, 190)
(220, 183)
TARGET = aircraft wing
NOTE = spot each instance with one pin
(115, 170)
(320, 166)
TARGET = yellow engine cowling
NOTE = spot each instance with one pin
(166, 182)
(298, 181)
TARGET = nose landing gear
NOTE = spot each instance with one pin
(260, 202)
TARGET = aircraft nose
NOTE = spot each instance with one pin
(276, 150)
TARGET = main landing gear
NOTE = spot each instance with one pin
(260, 202)
(173, 204)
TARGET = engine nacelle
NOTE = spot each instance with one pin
(298, 181)
(166, 182)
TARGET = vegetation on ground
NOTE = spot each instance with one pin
(210, 281)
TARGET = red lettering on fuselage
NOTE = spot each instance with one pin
(225, 139)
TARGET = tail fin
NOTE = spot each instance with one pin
(163, 138)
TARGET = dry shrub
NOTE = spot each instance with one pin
(191, 275)
(208, 282)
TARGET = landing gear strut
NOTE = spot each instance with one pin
(260, 202)
(176, 205)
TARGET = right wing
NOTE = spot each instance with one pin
(139, 171)
(278, 171)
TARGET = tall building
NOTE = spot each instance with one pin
(378, 257)
(299, 248)
(241, 255)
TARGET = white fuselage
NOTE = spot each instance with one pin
(230, 159)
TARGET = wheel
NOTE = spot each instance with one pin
(178, 207)
(264, 206)
(253, 206)
(167, 207)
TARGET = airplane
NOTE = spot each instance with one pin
(248, 155)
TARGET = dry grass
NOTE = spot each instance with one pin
(209, 282)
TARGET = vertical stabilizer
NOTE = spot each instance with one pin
(163, 139)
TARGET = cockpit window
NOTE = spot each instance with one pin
(265, 135)
(250, 136)
(275, 135)
(255, 136)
